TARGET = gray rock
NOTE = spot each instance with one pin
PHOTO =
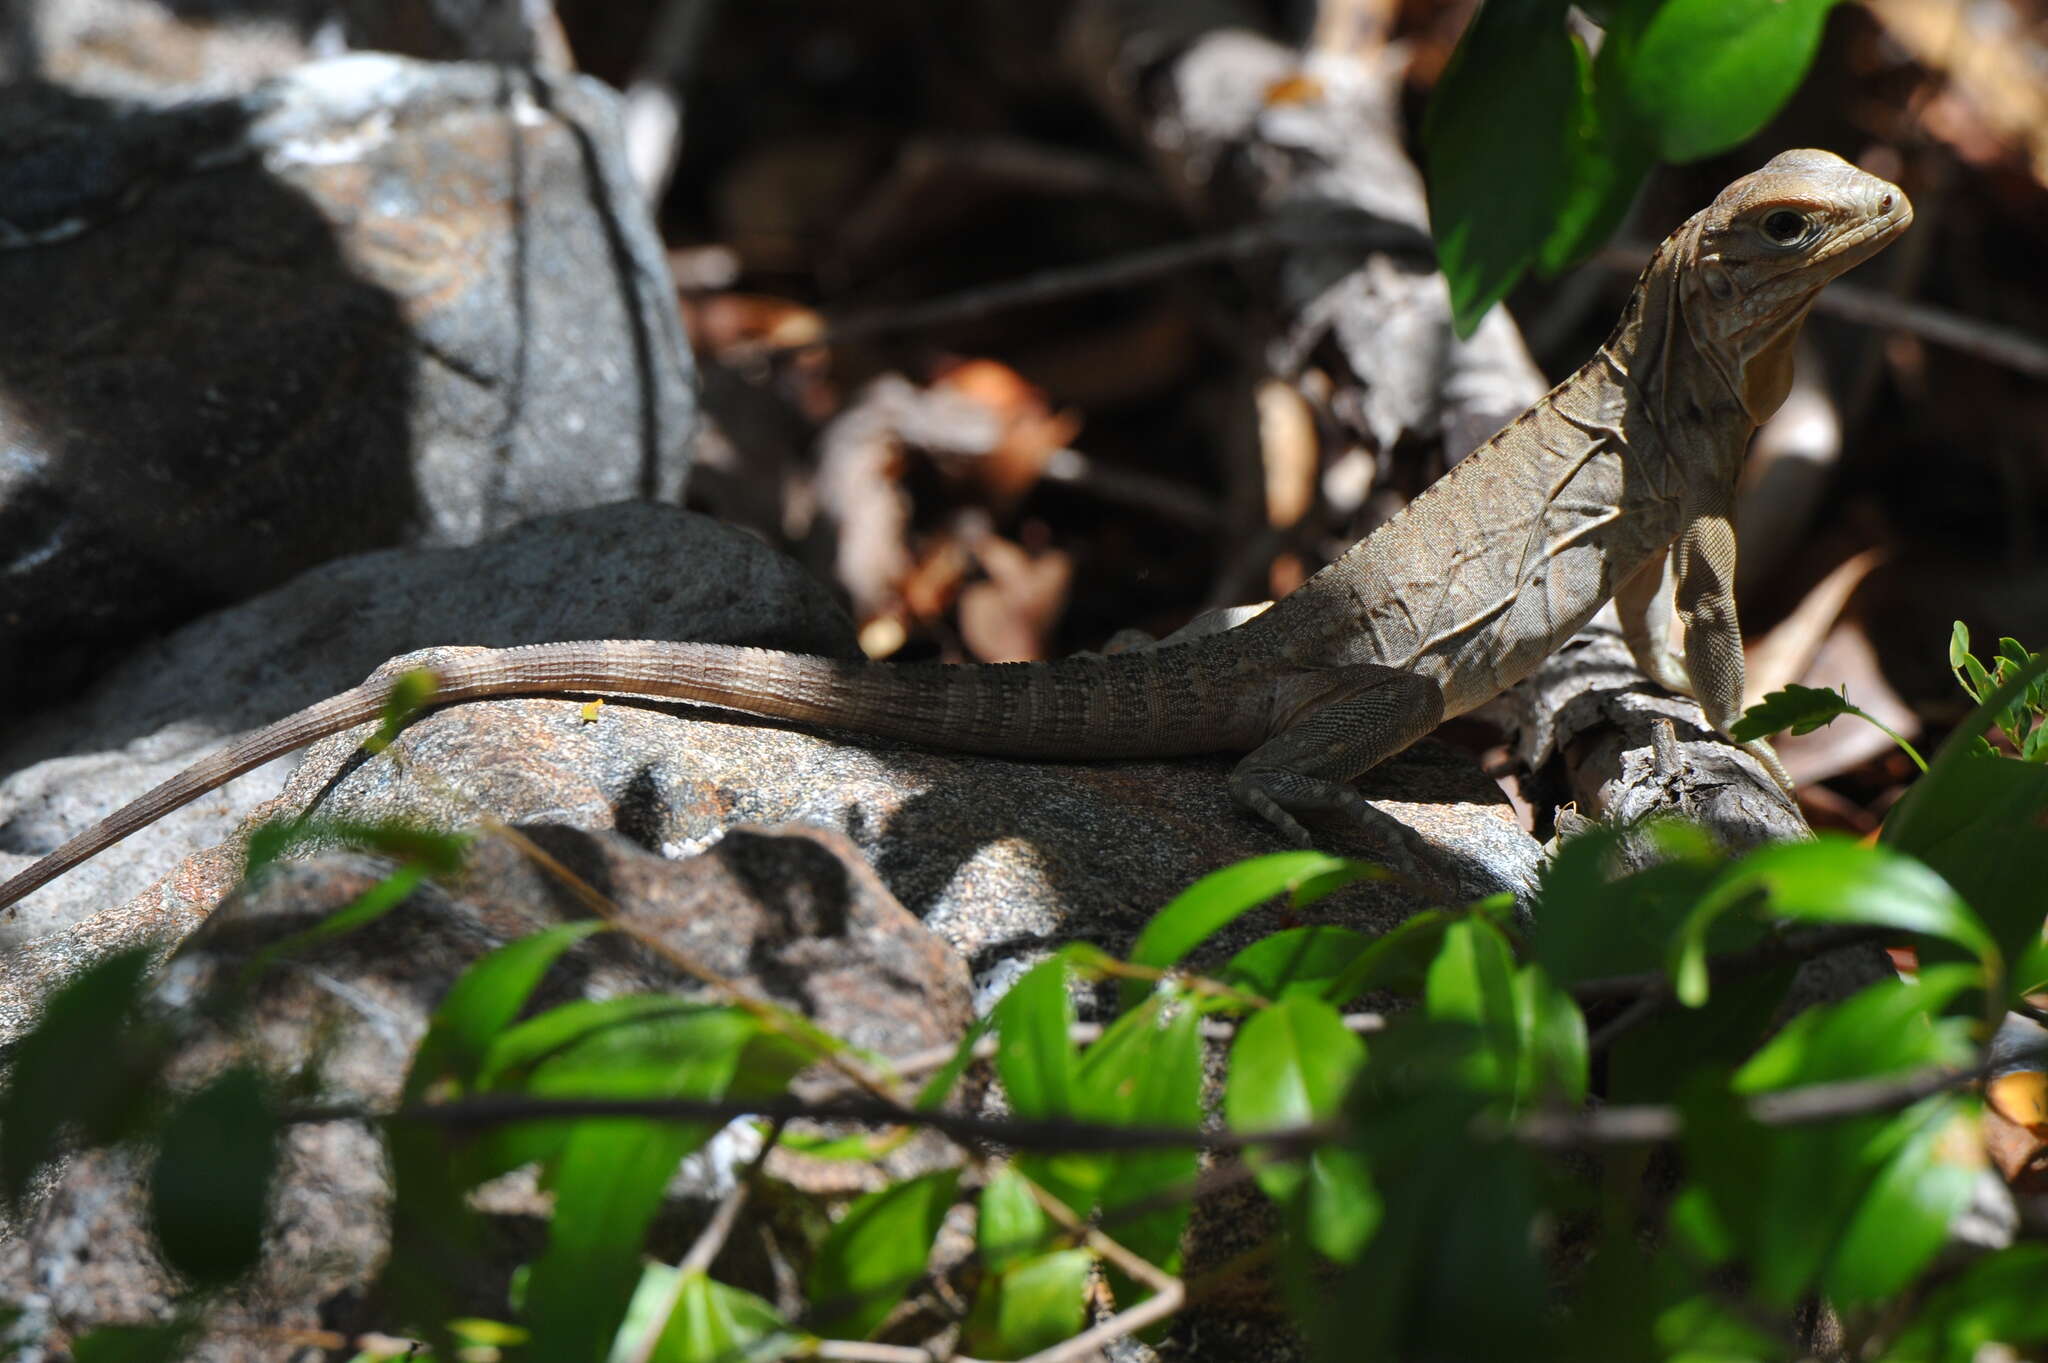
(631, 570)
(178, 50)
(372, 302)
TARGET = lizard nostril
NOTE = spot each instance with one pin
(1884, 205)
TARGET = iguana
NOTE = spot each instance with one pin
(1620, 482)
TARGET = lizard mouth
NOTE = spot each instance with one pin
(1893, 215)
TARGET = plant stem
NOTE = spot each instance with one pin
(1893, 735)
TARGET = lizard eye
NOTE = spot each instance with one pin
(1784, 227)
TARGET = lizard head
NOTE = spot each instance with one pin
(1761, 252)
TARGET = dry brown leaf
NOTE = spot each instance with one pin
(935, 576)
(722, 323)
(1009, 616)
(860, 462)
(1993, 55)
(2016, 1127)
(1031, 432)
(1299, 88)
(1290, 451)
(1786, 654)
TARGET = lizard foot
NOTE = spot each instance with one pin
(1767, 756)
(1278, 796)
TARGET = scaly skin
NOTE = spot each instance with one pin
(1618, 483)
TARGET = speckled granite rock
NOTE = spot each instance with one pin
(374, 301)
(791, 916)
(630, 570)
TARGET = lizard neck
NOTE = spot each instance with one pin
(1514, 549)
(1689, 406)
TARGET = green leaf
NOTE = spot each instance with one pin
(1708, 1329)
(1031, 1305)
(1291, 1065)
(1496, 185)
(1455, 1211)
(1472, 981)
(1794, 1201)
(708, 1322)
(1610, 153)
(609, 1174)
(365, 909)
(2030, 976)
(1296, 959)
(1887, 1027)
(2001, 1299)
(209, 1191)
(939, 1087)
(79, 1064)
(1831, 879)
(434, 852)
(1552, 1057)
(1963, 743)
(1979, 683)
(1707, 74)
(1982, 824)
(1036, 1060)
(1906, 1212)
(1217, 899)
(482, 1004)
(607, 1179)
(1011, 1226)
(134, 1343)
(520, 1049)
(1147, 1071)
(409, 692)
(1397, 959)
(1591, 923)
(875, 1252)
(432, 1224)
(1802, 709)
(1958, 648)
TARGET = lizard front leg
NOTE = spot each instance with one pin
(1644, 603)
(1361, 716)
(1704, 562)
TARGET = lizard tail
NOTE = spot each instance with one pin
(1130, 705)
(216, 769)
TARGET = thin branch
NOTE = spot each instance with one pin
(1806, 1105)
(1168, 1292)
(1647, 1005)
(864, 1351)
(1800, 1106)
(1139, 267)
(920, 1063)
(1780, 950)
(496, 1109)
